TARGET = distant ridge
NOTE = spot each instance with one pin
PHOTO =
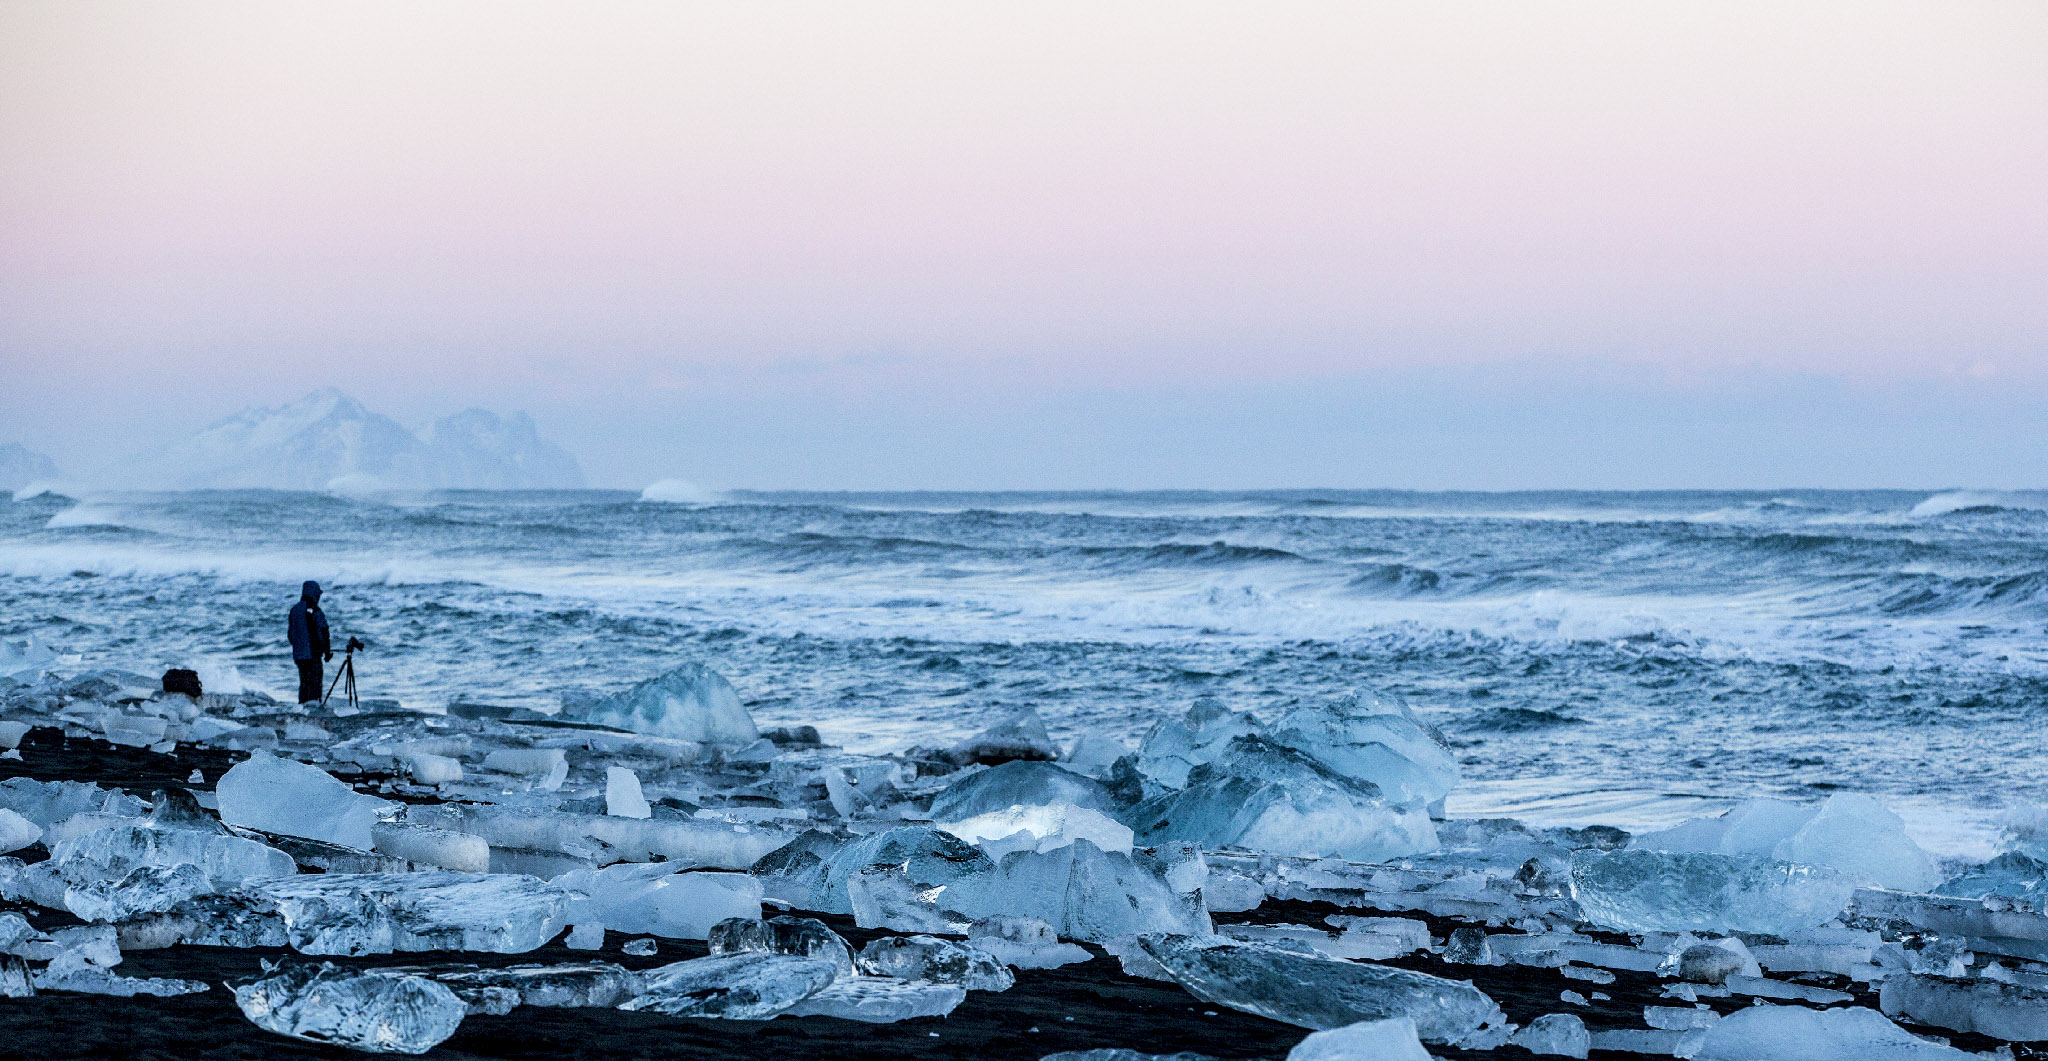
(329, 441)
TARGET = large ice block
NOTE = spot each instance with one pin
(999, 788)
(366, 1010)
(744, 986)
(1087, 893)
(1020, 737)
(294, 799)
(658, 899)
(2002, 1011)
(583, 984)
(811, 872)
(804, 937)
(1171, 749)
(1555, 1034)
(45, 803)
(1382, 742)
(1848, 832)
(1793, 1033)
(1312, 991)
(377, 913)
(17, 832)
(1391, 1039)
(941, 961)
(692, 702)
(2011, 874)
(1663, 891)
(111, 854)
(880, 1000)
(145, 890)
(1264, 797)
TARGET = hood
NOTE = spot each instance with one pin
(310, 591)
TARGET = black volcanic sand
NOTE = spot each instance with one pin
(1080, 1007)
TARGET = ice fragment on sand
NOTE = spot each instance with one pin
(880, 1000)
(430, 769)
(1661, 891)
(526, 762)
(17, 832)
(48, 802)
(1369, 740)
(1086, 893)
(1850, 833)
(802, 937)
(2011, 874)
(657, 899)
(444, 848)
(145, 890)
(1714, 962)
(1391, 1039)
(1018, 784)
(2003, 1011)
(1021, 737)
(588, 935)
(1040, 829)
(1792, 1033)
(1024, 943)
(366, 1010)
(938, 960)
(116, 852)
(1316, 992)
(15, 981)
(622, 797)
(743, 986)
(1121, 1054)
(639, 948)
(811, 871)
(1559, 1034)
(587, 984)
(1467, 946)
(692, 702)
(1265, 797)
(292, 798)
(377, 913)
(91, 981)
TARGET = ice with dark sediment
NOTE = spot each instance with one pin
(375, 913)
(1317, 992)
(937, 960)
(803, 937)
(1387, 1039)
(1020, 737)
(1794, 1033)
(1262, 796)
(1662, 891)
(880, 1000)
(293, 798)
(363, 1009)
(1850, 833)
(577, 985)
(691, 702)
(659, 899)
(1018, 784)
(747, 985)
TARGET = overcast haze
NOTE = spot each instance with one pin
(1054, 245)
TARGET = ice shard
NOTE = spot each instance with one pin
(1040, 829)
(1380, 742)
(1390, 1039)
(1087, 893)
(657, 898)
(1312, 991)
(1554, 1034)
(880, 1000)
(378, 913)
(294, 799)
(1663, 891)
(938, 960)
(145, 890)
(116, 852)
(1018, 784)
(368, 1010)
(802, 937)
(1793, 1033)
(744, 986)
(692, 702)
(17, 832)
(2003, 1011)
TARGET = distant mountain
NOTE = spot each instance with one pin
(328, 440)
(20, 466)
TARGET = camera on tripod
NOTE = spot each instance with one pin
(346, 676)
(354, 643)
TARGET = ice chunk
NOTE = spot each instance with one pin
(811, 872)
(64, 976)
(586, 984)
(526, 762)
(659, 899)
(17, 832)
(426, 846)
(1020, 737)
(1467, 945)
(743, 986)
(15, 981)
(880, 1000)
(685, 843)
(1715, 961)
(1557, 1034)
(1087, 893)
(2002, 1011)
(145, 890)
(1391, 1039)
(588, 935)
(377, 913)
(292, 798)
(622, 796)
(1093, 754)
(1264, 797)
(692, 702)
(1171, 749)
(1024, 943)
(643, 947)
(1369, 740)
(1018, 784)
(1662, 891)
(430, 769)
(1850, 833)
(938, 960)
(1316, 992)
(111, 854)
(46, 803)
(364, 1009)
(1040, 829)
(804, 937)
(2011, 874)
(1793, 1033)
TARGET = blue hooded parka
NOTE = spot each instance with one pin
(308, 627)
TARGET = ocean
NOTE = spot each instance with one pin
(1625, 657)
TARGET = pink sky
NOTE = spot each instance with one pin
(588, 200)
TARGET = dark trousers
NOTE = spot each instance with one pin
(309, 679)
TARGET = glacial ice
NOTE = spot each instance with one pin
(1264, 797)
(1014, 784)
(145, 890)
(691, 702)
(880, 1000)
(1171, 749)
(2011, 874)
(811, 872)
(375, 913)
(659, 899)
(1793, 1033)
(289, 797)
(586, 984)
(1850, 833)
(113, 853)
(937, 960)
(622, 797)
(1555, 1034)
(1367, 740)
(1040, 829)
(367, 1010)
(1317, 992)
(1089, 894)
(802, 937)
(45, 803)
(1024, 943)
(1020, 737)
(1390, 1039)
(1661, 891)
(748, 985)
(17, 832)
(442, 848)
(2005, 1011)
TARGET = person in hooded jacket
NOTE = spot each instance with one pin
(310, 645)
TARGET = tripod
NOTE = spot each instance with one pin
(345, 676)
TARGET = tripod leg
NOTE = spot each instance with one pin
(330, 685)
